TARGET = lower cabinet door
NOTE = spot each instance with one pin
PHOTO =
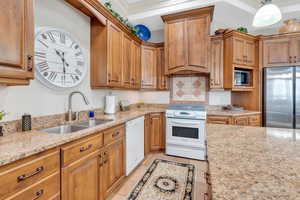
(156, 132)
(113, 166)
(80, 180)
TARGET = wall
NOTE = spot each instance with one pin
(37, 99)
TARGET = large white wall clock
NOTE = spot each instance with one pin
(59, 60)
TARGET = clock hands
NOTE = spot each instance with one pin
(62, 56)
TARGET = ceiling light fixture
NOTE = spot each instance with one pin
(267, 15)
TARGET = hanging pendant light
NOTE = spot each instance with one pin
(267, 15)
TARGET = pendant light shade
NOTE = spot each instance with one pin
(267, 15)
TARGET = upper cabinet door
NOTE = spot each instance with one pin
(249, 53)
(16, 40)
(127, 61)
(149, 67)
(175, 45)
(277, 52)
(296, 51)
(238, 51)
(198, 43)
(162, 79)
(115, 57)
(136, 65)
(216, 67)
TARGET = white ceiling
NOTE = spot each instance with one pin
(228, 13)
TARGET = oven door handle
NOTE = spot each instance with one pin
(185, 123)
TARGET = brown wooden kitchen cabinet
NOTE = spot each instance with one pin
(281, 50)
(214, 119)
(16, 42)
(240, 53)
(80, 180)
(216, 63)
(112, 167)
(115, 55)
(241, 120)
(187, 41)
(162, 79)
(127, 61)
(35, 177)
(136, 65)
(149, 67)
(156, 131)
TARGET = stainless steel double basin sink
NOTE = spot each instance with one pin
(64, 129)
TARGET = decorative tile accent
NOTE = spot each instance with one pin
(192, 89)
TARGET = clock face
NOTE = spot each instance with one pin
(59, 60)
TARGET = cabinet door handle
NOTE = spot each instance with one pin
(25, 176)
(82, 149)
(206, 196)
(295, 59)
(207, 177)
(38, 194)
(29, 63)
(115, 134)
(105, 158)
(290, 59)
(101, 160)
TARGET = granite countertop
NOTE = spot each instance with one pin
(16, 146)
(252, 163)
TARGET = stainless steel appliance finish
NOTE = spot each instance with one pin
(282, 97)
(65, 129)
(242, 77)
(74, 116)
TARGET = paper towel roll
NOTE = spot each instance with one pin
(110, 104)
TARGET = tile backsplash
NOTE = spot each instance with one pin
(189, 89)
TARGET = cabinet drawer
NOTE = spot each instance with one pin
(47, 189)
(20, 176)
(76, 150)
(114, 133)
(254, 120)
(219, 120)
(241, 121)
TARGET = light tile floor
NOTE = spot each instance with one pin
(200, 187)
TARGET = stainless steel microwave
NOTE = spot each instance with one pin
(242, 77)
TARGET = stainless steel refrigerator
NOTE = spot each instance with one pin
(282, 97)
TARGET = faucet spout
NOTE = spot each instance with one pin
(70, 113)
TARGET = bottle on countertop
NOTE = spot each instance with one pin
(26, 122)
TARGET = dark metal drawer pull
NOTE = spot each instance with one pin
(115, 134)
(24, 176)
(38, 194)
(82, 149)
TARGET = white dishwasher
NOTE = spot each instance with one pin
(134, 143)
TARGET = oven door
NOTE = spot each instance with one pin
(185, 131)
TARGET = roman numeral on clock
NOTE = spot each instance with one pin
(50, 35)
(62, 38)
(78, 72)
(43, 66)
(74, 79)
(52, 76)
(78, 54)
(43, 43)
(80, 63)
(40, 54)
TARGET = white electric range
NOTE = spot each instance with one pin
(186, 131)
